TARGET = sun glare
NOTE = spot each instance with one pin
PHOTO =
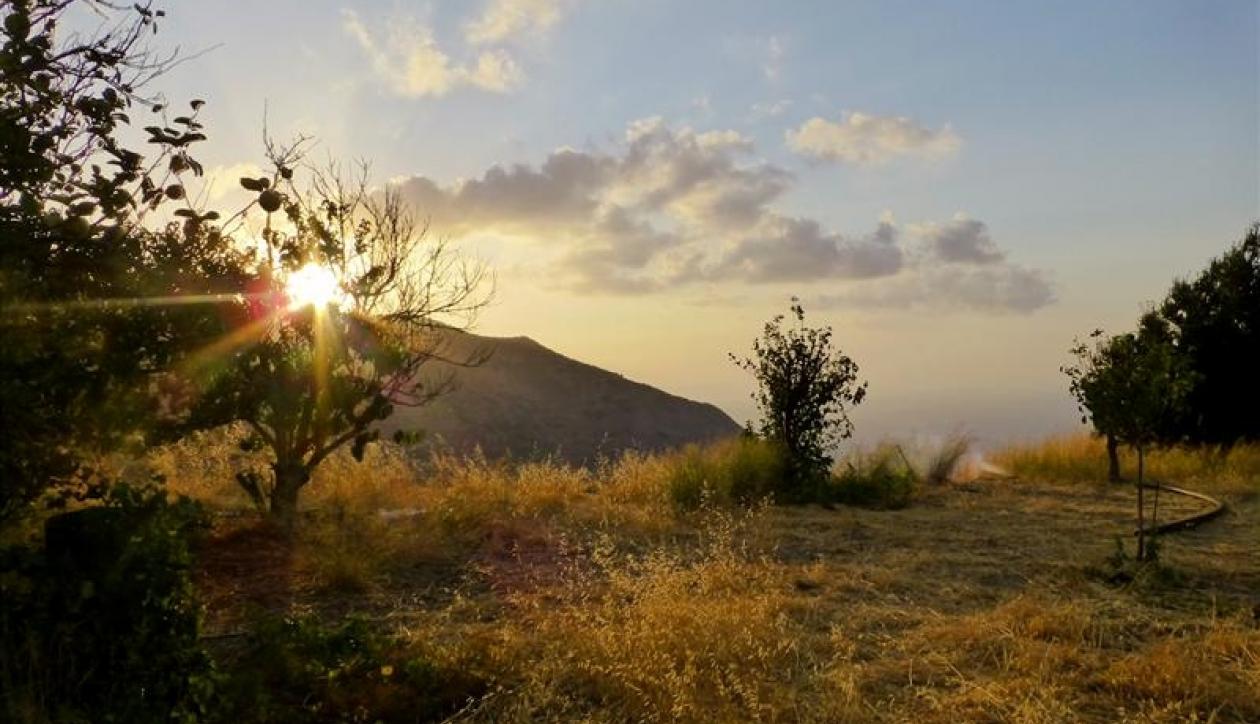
(314, 285)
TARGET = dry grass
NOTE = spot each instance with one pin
(580, 595)
(1082, 458)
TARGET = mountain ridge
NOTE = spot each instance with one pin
(527, 400)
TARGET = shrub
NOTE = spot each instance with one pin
(299, 670)
(880, 479)
(741, 470)
(101, 624)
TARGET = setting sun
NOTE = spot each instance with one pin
(314, 285)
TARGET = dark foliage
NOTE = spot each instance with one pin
(81, 363)
(297, 670)
(1214, 320)
(101, 625)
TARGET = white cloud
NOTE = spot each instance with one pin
(503, 20)
(407, 59)
(495, 71)
(863, 139)
(669, 207)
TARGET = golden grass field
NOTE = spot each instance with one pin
(589, 596)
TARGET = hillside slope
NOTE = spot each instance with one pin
(528, 401)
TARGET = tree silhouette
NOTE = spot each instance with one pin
(1214, 320)
(84, 340)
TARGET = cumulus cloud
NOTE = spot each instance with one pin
(503, 20)
(792, 249)
(407, 59)
(864, 139)
(960, 239)
(668, 207)
(950, 265)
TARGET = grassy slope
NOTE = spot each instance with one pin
(588, 596)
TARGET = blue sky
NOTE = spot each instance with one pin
(958, 187)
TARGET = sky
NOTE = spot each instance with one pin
(958, 189)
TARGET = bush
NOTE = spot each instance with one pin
(741, 470)
(101, 624)
(881, 479)
(299, 670)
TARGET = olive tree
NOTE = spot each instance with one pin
(805, 387)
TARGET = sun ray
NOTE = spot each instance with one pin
(229, 342)
(129, 302)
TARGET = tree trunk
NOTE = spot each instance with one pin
(1141, 511)
(1113, 459)
(284, 496)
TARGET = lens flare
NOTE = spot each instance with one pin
(314, 285)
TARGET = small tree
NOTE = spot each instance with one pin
(1097, 384)
(352, 298)
(804, 390)
(1130, 386)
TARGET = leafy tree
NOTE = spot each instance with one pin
(804, 390)
(310, 376)
(1214, 320)
(1130, 386)
(82, 353)
(1097, 383)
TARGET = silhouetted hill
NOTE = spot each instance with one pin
(527, 400)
